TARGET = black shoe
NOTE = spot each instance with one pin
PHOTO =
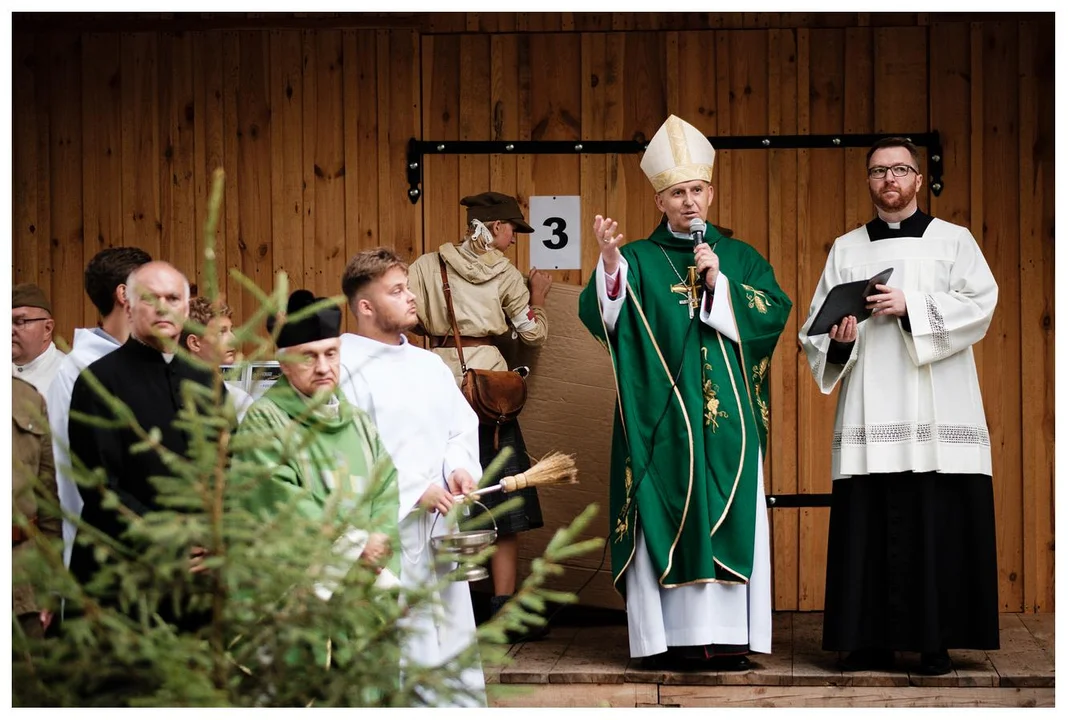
(661, 661)
(728, 663)
(935, 663)
(867, 659)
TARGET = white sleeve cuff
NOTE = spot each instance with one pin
(721, 316)
(610, 308)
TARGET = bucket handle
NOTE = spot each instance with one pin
(476, 502)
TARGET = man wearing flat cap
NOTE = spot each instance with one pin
(690, 318)
(309, 442)
(34, 357)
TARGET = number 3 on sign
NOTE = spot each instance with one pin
(556, 243)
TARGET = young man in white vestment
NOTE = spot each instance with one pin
(911, 560)
(430, 432)
(105, 284)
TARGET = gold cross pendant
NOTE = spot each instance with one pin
(688, 290)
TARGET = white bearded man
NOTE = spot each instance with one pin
(431, 433)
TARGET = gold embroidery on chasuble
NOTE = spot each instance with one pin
(712, 411)
(758, 299)
(622, 522)
(760, 370)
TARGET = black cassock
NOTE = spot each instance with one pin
(911, 557)
(150, 386)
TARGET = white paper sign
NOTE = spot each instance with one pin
(556, 243)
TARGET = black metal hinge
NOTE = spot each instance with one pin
(798, 501)
(418, 149)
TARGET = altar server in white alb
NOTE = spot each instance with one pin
(912, 560)
(105, 285)
(431, 433)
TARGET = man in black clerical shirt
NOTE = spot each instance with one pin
(146, 375)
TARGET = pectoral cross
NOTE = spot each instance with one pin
(688, 290)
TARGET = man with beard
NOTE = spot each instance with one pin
(431, 433)
(690, 325)
(146, 375)
(911, 560)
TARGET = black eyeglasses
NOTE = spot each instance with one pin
(23, 322)
(878, 172)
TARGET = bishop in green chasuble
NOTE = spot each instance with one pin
(692, 372)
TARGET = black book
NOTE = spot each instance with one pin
(849, 298)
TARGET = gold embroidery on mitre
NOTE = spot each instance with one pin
(676, 134)
(678, 153)
(757, 299)
(681, 174)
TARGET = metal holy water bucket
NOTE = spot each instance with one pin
(465, 544)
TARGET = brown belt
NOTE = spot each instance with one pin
(19, 536)
(448, 341)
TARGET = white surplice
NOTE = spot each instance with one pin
(429, 430)
(40, 371)
(705, 613)
(910, 401)
(90, 344)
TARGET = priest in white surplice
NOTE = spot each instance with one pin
(690, 547)
(430, 432)
(912, 560)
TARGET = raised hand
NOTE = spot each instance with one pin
(540, 282)
(604, 229)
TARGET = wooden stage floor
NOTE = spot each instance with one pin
(589, 666)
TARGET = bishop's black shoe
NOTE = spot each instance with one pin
(728, 663)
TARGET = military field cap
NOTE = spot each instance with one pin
(678, 152)
(322, 325)
(29, 295)
(490, 206)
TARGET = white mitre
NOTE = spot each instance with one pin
(678, 152)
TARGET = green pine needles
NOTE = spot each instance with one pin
(251, 627)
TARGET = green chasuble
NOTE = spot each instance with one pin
(315, 452)
(693, 488)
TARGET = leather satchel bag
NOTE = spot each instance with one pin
(496, 396)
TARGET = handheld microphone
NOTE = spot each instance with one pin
(697, 232)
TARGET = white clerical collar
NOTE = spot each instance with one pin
(894, 225)
(329, 408)
(38, 362)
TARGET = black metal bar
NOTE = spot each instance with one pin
(797, 501)
(417, 149)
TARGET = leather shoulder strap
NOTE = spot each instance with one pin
(452, 313)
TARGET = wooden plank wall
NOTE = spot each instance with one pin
(117, 128)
